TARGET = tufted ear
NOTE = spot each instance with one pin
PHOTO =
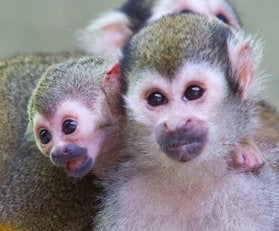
(111, 86)
(243, 63)
(106, 35)
(111, 81)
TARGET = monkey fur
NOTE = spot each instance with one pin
(191, 87)
(35, 195)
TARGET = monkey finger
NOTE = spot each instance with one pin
(248, 159)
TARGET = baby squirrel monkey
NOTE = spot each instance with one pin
(76, 116)
(191, 88)
(113, 29)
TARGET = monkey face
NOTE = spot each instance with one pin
(219, 9)
(70, 137)
(178, 112)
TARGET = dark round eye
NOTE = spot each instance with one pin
(193, 92)
(69, 126)
(156, 99)
(45, 136)
(223, 18)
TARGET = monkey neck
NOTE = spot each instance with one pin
(236, 120)
(110, 146)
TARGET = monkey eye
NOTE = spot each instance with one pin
(223, 18)
(45, 136)
(156, 99)
(193, 92)
(69, 126)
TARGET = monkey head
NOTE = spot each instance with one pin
(219, 9)
(112, 30)
(71, 136)
(74, 112)
(187, 84)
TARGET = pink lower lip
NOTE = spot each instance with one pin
(76, 163)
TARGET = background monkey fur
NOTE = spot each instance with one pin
(174, 154)
(75, 115)
(113, 29)
(35, 195)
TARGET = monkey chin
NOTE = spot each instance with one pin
(79, 167)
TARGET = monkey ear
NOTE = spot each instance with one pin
(111, 87)
(107, 34)
(241, 57)
(111, 81)
(29, 135)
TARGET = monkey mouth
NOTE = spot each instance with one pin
(184, 152)
(73, 158)
(79, 167)
(62, 155)
(185, 143)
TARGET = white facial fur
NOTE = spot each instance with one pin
(198, 74)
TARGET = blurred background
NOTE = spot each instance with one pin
(49, 26)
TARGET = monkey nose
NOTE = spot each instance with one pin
(174, 124)
(60, 155)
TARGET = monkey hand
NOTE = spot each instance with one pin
(247, 157)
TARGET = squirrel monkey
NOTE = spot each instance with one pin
(191, 87)
(111, 31)
(75, 114)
